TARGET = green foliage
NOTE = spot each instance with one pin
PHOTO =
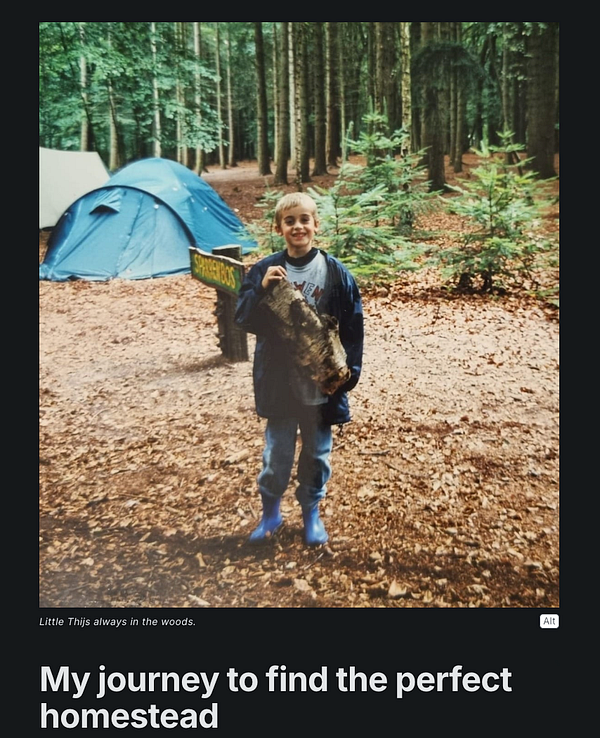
(353, 229)
(390, 171)
(432, 62)
(502, 206)
(368, 215)
(119, 58)
(118, 55)
(201, 133)
(263, 231)
(436, 63)
(59, 101)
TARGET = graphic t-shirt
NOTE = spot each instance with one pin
(308, 275)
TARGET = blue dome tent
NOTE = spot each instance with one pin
(140, 224)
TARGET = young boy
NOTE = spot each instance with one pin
(284, 397)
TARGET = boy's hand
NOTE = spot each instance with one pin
(272, 275)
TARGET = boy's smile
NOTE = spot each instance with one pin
(298, 227)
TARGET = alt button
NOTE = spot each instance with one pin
(549, 621)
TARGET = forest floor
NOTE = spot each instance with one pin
(445, 487)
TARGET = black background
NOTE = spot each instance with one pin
(305, 640)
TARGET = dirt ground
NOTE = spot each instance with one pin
(445, 487)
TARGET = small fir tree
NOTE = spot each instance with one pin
(369, 214)
(353, 230)
(389, 164)
(503, 205)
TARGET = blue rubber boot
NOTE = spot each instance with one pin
(271, 519)
(314, 530)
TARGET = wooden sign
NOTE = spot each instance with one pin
(221, 272)
(225, 273)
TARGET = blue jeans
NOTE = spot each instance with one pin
(314, 469)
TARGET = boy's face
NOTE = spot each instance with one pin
(298, 227)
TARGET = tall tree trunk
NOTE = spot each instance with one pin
(291, 89)
(222, 160)
(444, 35)
(459, 131)
(342, 90)
(296, 117)
(156, 134)
(320, 166)
(405, 79)
(231, 160)
(305, 102)
(86, 137)
(378, 102)
(352, 56)
(436, 169)
(275, 82)
(541, 99)
(180, 95)
(385, 71)
(264, 166)
(114, 158)
(459, 109)
(333, 118)
(300, 104)
(520, 111)
(507, 89)
(432, 126)
(427, 36)
(371, 64)
(489, 118)
(85, 127)
(416, 97)
(283, 110)
(506, 74)
(200, 155)
(453, 112)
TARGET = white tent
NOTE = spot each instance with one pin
(64, 177)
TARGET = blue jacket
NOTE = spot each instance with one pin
(341, 299)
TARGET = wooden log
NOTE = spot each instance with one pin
(313, 339)
(232, 340)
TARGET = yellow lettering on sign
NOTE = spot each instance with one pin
(215, 271)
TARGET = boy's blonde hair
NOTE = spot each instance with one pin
(292, 200)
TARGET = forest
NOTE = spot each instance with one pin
(432, 151)
(296, 93)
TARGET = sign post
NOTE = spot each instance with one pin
(223, 270)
